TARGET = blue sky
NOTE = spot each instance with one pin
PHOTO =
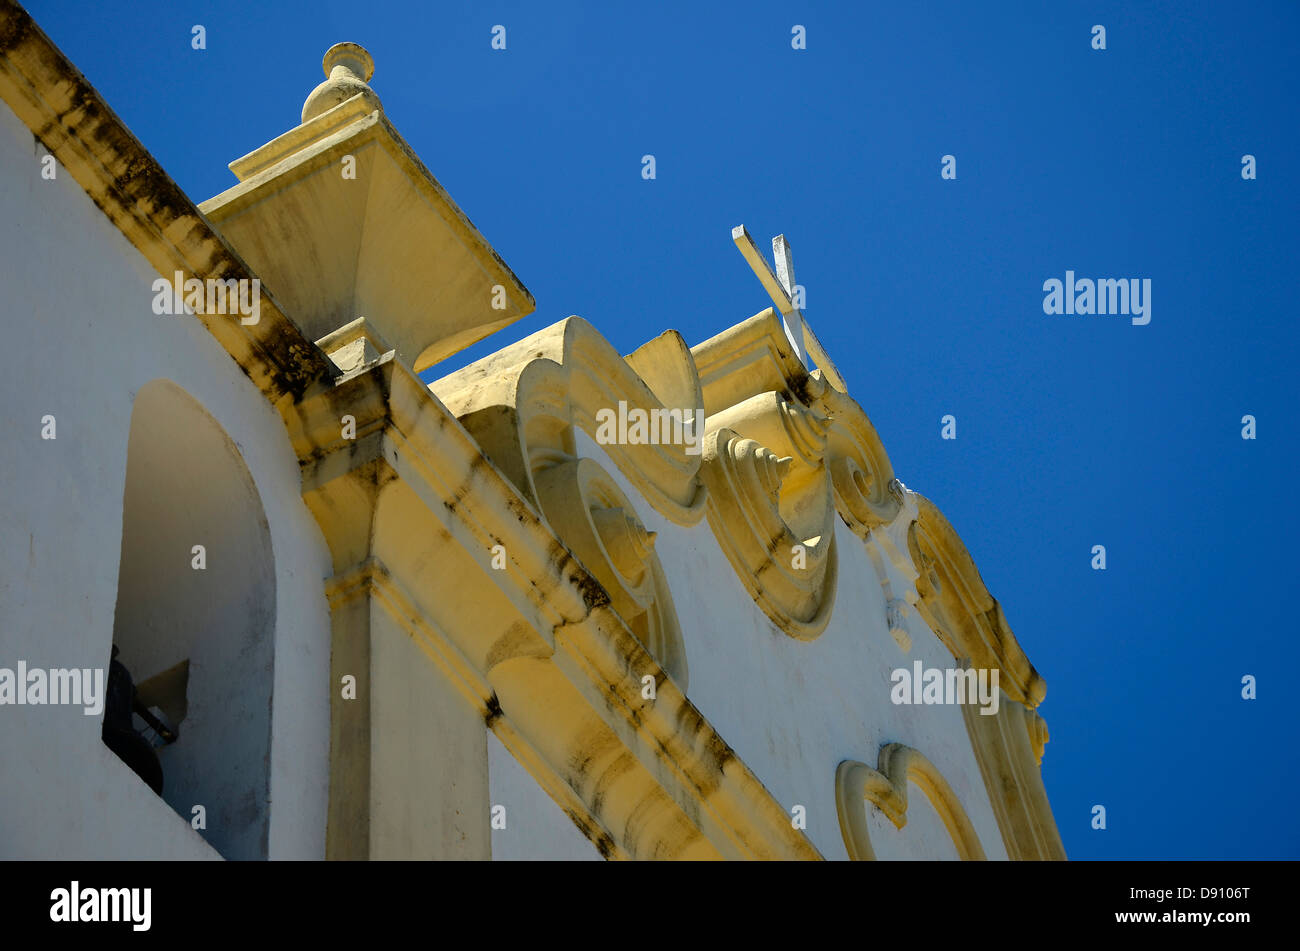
(1072, 431)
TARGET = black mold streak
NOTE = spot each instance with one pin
(494, 711)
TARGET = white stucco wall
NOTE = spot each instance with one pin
(793, 710)
(536, 828)
(82, 339)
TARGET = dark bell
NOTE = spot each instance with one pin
(119, 733)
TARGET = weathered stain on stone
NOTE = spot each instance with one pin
(597, 837)
(494, 711)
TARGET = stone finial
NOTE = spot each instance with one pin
(348, 67)
(328, 241)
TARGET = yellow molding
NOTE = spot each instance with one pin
(886, 788)
(436, 459)
(77, 127)
(390, 245)
(791, 576)
(523, 402)
(1008, 747)
(960, 609)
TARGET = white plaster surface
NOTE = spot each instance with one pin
(82, 341)
(793, 710)
(536, 828)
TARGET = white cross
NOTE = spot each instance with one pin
(780, 286)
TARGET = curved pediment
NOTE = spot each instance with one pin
(523, 403)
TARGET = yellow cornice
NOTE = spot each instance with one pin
(596, 666)
(119, 175)
(960, 609)
(386, 241)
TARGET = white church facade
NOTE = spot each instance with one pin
(562, 603)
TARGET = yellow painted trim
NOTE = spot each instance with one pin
(886, 788)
